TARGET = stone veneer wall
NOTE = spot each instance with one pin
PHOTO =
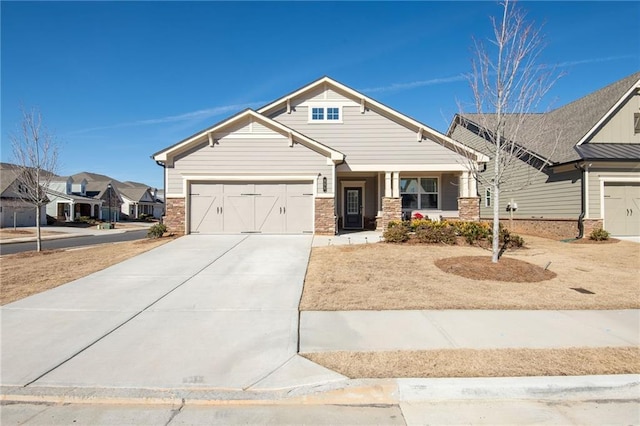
(391, 210)
(174, 215)
(469, 208)
(550, 228)
(325, 221)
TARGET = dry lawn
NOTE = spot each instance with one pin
(6, 234)
(28, 273)
(390, 276)
(481, 362)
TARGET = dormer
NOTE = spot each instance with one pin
(80, 188)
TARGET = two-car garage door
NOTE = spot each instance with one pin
(251, 207)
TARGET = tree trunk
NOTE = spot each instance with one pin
(38, 234)
(495, 244)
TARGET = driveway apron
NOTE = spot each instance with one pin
(202, 311)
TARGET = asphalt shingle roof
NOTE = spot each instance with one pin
(572, 122)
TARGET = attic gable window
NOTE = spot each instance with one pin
(636, 122)
(325, 114)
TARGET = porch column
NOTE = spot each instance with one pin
(396, 184)
(473, 186)
(464, 184)
(387, 184)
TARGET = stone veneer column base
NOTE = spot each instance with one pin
(391, 210)
(325, 220)
(469, 208)
(174, 215)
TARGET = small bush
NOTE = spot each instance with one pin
(436, 234)
(157, 231)
(396, 234)
(516, 241)
(145, 217)
(599, 234)
(473, 231)
(394, 223)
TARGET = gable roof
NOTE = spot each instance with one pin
(198, 138)
(367, 102)
(575, 121)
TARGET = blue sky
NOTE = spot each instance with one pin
(118, 81)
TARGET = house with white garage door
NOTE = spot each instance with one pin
(322, 159)
(592, 177)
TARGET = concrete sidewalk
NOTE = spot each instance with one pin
(322, 331)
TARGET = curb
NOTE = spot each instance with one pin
(351, 392)
(63, 236)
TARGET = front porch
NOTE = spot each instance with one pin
(71, 210)
(369, 200)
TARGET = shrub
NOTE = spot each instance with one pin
(438, 233)
(396, 233)
(599, 234)
(145, 217)
(419, 223)
(516, 241)
(472, 231)
(394, 223)
(157, 230)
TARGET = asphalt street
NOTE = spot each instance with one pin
(79, 241)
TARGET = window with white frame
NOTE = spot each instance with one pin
(487, 197)
(419, 193)
(324, 114)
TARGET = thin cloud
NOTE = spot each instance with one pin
(187, 116)
(463, 77)
(414, 84)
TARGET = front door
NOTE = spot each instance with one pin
(352, 208)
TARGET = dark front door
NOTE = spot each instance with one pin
(353, 208)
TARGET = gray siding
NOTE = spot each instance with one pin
(369, 138)
(595, 194)
(620, 127)
(548, 195)
(255, 156)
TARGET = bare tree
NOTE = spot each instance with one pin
(35, 155)
(508, 85)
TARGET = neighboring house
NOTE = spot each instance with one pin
(14, 211)
(103, 188)
(139, 199)
(594, 172)
(319, 160)
(69, 200)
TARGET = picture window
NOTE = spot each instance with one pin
(419, 193)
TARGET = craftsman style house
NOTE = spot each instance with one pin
(322, 159)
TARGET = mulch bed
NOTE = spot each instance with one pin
(507, 269)
(590, 241)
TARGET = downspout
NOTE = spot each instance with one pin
(583, 200)
(164, 184)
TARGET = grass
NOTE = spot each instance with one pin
(482, 362)
(28, 273)
(397, 276)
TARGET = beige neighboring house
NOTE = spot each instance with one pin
(593, 176)
(322, 159)
(69, 200)
(139, 199)
(105, 189)
(14, 211)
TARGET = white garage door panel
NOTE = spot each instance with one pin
(274, 208)
(622, 208)
(206, 206)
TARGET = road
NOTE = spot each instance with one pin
(86, 240)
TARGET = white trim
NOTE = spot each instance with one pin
(353, 184)
(407, 121)
(439, 193)
(325, 120)
(310, 103)
(605, 117)
(453, 167)
(586, 192)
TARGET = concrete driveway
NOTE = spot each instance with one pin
(202, 311)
